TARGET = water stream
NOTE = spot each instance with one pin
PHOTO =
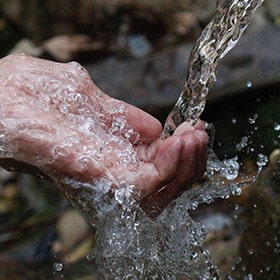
(131, 245)
(217, 39)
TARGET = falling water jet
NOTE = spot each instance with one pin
(129, 244)
(217, 39)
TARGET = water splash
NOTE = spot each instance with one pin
(249, 84)
(58, 266)
(217, 39)
(276, 126)
(129, 244)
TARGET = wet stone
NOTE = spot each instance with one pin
(5, 175)
(259, 247)
(154, 82)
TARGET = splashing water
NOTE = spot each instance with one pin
(217, 39)
(129, 244)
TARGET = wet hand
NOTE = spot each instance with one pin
(55, 122)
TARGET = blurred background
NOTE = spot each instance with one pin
(138, 51)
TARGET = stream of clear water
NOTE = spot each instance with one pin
(217, 39)
(131, 245)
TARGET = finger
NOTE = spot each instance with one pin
(165, 167)
(200, 125)
(145, 125)
(184, 177)
(183, 128)
(186, 127)
(190, 168)
(202, 152)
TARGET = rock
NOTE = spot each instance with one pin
(72, 229)
(48, 18)
(274, 160)
(101, 17)
(259, 249)
(138, 46)
(204, 10)
(250, 64)
(184, 23)
(5, 175)
(152, 83)
(65, 48)
(11, 269)
(155, 82)
(36, 192)
(28, 47)
(273, 10)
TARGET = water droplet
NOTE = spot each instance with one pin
(236, 191)
(248, 277)
(277, 126)
(225, 196)
(267, 244)
(194, 256)
(276, 251)
(57, 266)
(250, 251)
(243, 268)
(253, 119)
(139, 267)
(138, 45)
(119, 196)
(237, 260)
(194, 205)
(242, 144)
(262, 161)
(230, 168)
(249, 84)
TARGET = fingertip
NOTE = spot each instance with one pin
(200, 125)
(183, 128)
(202, 136)
(168, 157)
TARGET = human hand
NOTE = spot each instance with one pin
(55, 122)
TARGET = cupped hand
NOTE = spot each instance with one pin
(55, 122)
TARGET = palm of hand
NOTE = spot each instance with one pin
(54, 118)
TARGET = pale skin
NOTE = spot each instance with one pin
(55, 122)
